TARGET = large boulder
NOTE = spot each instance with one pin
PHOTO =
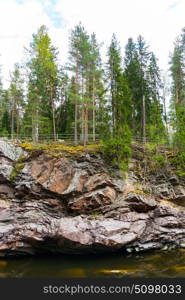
(79, 183)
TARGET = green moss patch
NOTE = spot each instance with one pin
(16, 170)
(56, 149)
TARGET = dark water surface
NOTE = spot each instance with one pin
(154, 264)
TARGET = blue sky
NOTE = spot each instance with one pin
(50, 9)
(159, 21)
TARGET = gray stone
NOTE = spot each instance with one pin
(140, 203)
(74, 205)
(174, 180)
(6, 168)
(9, 150)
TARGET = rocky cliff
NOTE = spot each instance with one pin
(76, 203)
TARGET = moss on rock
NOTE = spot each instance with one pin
(57, 149)
(16, 170)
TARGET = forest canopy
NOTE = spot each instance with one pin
(115, 102)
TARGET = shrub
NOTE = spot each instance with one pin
(159, 159)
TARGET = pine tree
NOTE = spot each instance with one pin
(43, 85)
(5, 113)
(85, 63)
(178, 90)
(78, 44)
(66, 109)
(95, 83)
(155, 125)
(118, 141)
(165, 95)
(143, 76)
(16, 96)
(131, 64)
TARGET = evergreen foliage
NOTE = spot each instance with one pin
(42, 86)
(143, 76)
(118, 136)
(87, 101)
(177, 68)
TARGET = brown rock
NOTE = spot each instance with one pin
(140, 203)
(97, 181)
(48, 208)
(93, 200)
(6, 191)
(52, 173)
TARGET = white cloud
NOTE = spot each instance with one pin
(17, 24)
(159, 21)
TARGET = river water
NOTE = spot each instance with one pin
(153, 264)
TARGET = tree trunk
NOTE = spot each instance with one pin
(85, 124)
(94, 114)
(165, 110)
(54, 127)
(12, 126)
(83, 113)
(76, 119)
(35, 126)
(76, 112)
(18, 124)
(177, 95)
(144, 120)
(37, 129)
(53, 115)
(12, 120)
(113, 107)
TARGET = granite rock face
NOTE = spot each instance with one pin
(10, 150)
(74, 205)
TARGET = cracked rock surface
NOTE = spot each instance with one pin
(75, 205)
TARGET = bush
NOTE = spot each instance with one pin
(16, 171)
(118, 151)
(159, 159)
